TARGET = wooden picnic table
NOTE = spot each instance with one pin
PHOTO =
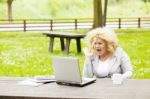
(101, 89)
(62, 36)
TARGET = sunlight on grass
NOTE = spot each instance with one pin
(137, 46)
(26, 54)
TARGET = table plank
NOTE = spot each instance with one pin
(62, 34)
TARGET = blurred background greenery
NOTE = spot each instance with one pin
(49, 9)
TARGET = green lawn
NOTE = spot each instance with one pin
(26, 54)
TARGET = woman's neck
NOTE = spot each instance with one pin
(104, 57)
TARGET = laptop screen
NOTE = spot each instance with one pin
(66, 69)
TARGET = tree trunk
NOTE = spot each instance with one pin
(105, 12)
(9, 4)
(98, 17)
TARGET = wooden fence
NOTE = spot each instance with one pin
(63, 24)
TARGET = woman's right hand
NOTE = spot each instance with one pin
(88, 55)
(87, 52)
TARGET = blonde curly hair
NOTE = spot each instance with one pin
(106, 34)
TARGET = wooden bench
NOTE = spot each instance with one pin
(62, 36)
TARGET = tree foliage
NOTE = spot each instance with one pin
(50, 9)
(3, 1)
(146, 0)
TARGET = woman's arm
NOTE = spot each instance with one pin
(127, 74)
(126, 65)
(87, 71)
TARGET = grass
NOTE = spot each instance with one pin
(26, 54)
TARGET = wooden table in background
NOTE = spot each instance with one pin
(62, 36)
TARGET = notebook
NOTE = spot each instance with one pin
(67, 72)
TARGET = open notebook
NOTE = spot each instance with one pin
(67, 71)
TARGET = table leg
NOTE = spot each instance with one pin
(67, 45)
(78, 45)
(51, 43)
(62, 44)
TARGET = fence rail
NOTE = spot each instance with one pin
(63, 24)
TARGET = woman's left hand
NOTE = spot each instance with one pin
(117, 78)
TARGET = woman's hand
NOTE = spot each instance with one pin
(88, 55)
(117, 78)
(87, 52)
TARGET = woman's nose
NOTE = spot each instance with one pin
(96, 45)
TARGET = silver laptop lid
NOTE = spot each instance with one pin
(66, 69)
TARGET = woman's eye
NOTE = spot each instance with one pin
(98, 43)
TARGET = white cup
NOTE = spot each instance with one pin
(117, 78)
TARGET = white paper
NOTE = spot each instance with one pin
(29, 83)
(37, 80)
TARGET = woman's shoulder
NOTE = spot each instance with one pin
(119, 51)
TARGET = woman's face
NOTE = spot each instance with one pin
(99, 46)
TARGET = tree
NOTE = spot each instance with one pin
(9, 6)
(105, 12)
(99, 17)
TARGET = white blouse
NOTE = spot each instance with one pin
(102, 69)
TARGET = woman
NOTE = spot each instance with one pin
(104, 57)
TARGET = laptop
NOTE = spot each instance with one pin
(67, 72)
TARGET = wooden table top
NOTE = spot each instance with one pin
(101, 89)
(63, 34)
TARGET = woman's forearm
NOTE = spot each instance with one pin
(127, 75)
